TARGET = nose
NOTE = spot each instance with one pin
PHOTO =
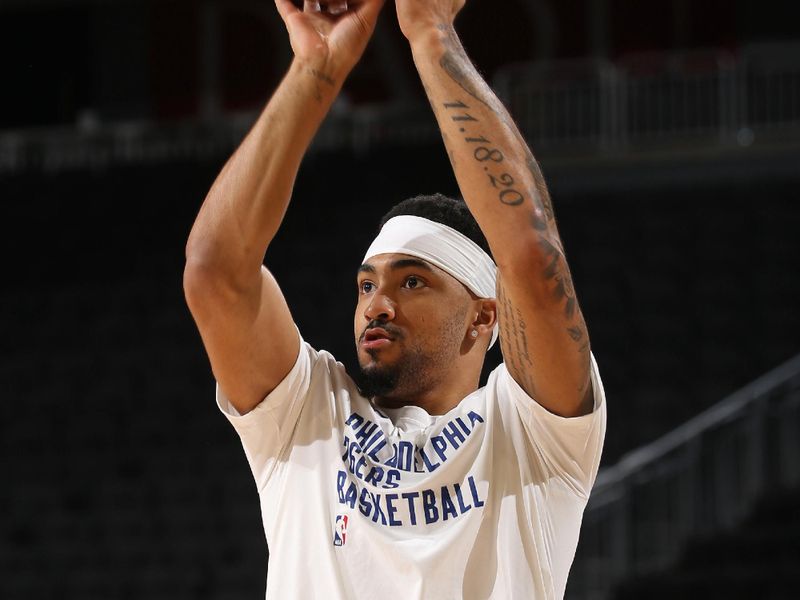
(380, 307)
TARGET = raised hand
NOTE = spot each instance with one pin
(420, 16)
(328, 37)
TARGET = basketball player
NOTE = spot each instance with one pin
(405, 480)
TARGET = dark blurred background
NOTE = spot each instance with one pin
(669, 132)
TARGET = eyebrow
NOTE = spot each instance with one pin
(400, 263)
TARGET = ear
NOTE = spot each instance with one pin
(486, 317)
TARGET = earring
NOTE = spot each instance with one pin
(474, 333)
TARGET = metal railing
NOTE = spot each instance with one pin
(708, 98)
(702, 478)
(655, 99)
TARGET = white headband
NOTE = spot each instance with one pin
(443, 246)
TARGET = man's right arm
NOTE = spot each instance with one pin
(242, 316)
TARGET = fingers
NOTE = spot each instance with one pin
(331, 7)
(285, 8)
(337, 7)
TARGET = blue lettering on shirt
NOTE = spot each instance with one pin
(375, 445)
(453, 435)
(354, 421)
(346, 489)
(365, 431)
(439, 444)
(378, 512)
(412, 513)
(431, 466)
(341, 480)
(460, 497)
(365, 439)
(363, 503)
(362, 462)
(444, 503)
(475, 498)
(351, 495)
(406, 456)
(474, 418)
(392, 479)
(391, 509)
(375, 476)
(372, 462)
(429, 506)
(448, 508)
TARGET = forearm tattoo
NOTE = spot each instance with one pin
(319, 79)
(513, 339)
(511, 191)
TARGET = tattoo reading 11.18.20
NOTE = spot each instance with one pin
(485, 154)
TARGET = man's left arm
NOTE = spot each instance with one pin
(542, 331)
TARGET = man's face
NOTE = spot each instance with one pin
(410, 323)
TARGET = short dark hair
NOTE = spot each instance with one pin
(442, 209)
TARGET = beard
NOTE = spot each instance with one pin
(416, 369)
(376, 381)
(402, 377)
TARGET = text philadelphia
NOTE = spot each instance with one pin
(365, 441)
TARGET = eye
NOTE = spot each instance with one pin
(366, 287)
(413, 282)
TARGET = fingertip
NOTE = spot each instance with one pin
(285, 8)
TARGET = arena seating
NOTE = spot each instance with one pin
(757, 560)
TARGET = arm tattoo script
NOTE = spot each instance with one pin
(457, 65)
(491, 158)
(514, 338)
(557, 271)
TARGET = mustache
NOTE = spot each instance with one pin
(385, 325)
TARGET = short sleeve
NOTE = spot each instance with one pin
(569, 448)
(266, 429)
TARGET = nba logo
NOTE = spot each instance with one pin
(340, 531)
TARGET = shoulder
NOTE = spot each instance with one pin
(327, 380)
(566, 447)
(314, 373)
(325, 367)
(502, 386)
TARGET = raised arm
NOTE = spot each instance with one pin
(239, 309)
(542, 331)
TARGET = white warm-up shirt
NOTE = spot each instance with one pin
(485, 501)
